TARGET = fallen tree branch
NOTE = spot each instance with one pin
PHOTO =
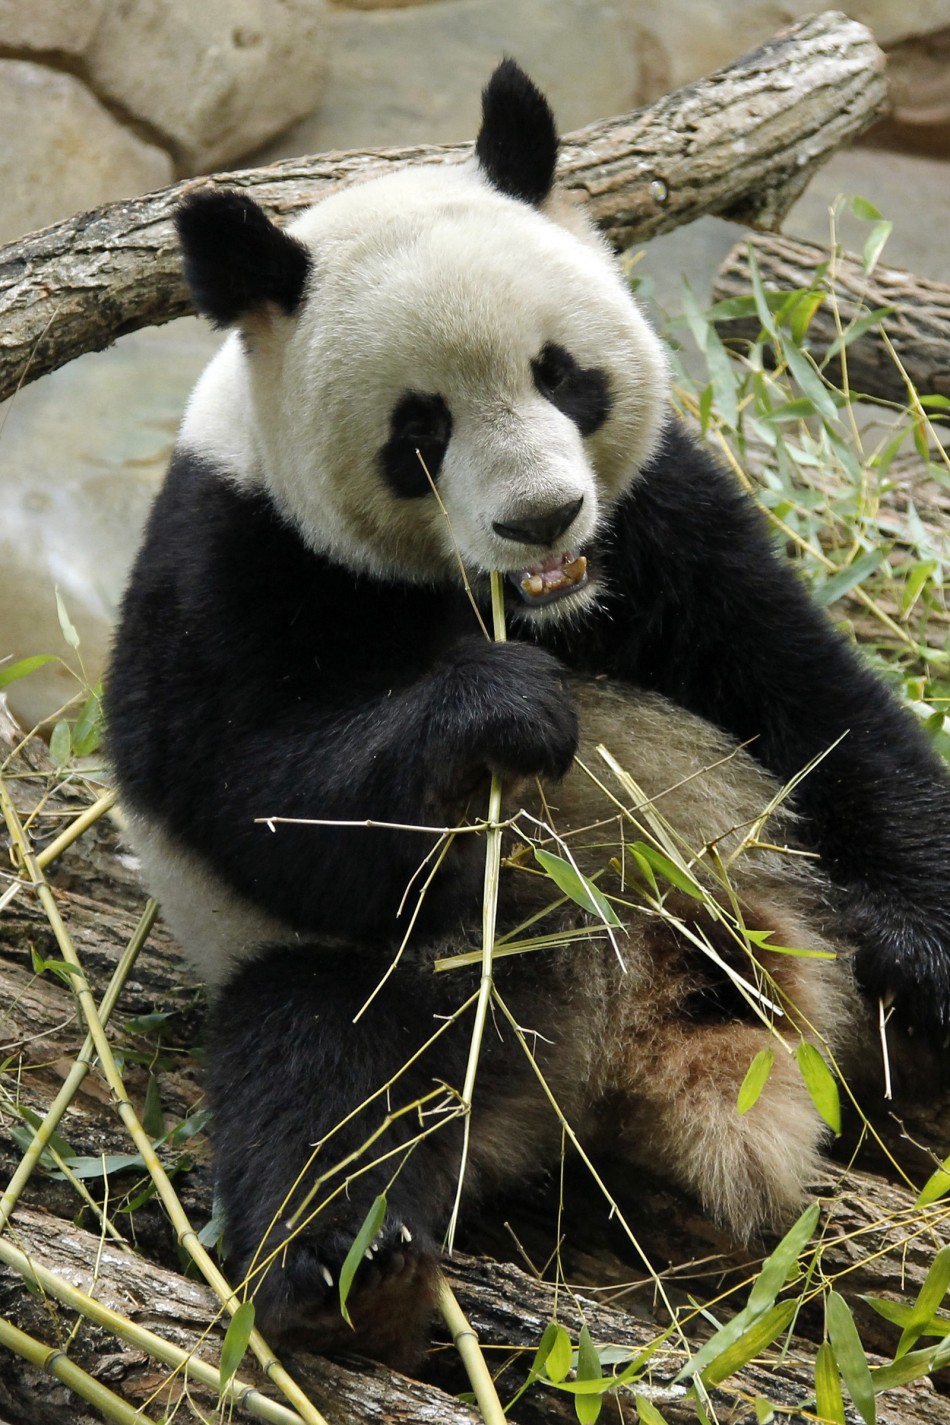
(918, 324)
(742, 143)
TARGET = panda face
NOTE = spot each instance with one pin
(458, 376)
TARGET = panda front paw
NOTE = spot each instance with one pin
(513, 713)
(390, 1301)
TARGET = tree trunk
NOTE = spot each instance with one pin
(918, 324)
(742, 143)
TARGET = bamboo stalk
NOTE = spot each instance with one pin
(489, 909)
(79, 1070)
(187, 1236)
(65, 839)
(157, 1347)
(55, 1361)
(465, 1340)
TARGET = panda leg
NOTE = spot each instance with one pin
(294, 1087)
(687, 1046)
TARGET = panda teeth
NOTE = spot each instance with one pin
(552, 578)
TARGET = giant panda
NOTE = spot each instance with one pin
(431, 375)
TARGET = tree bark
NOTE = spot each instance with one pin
(742, 143)
(918, 324)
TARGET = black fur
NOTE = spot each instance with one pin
(420, 425)
(580, 392)
(517, 142)
(236, 259)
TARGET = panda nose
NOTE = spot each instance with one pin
(540, 529)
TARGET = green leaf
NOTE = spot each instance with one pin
(910, 1367)
(811, 383)
(864, 210)
(820, 1083)
(936, 1186)
(61, 743)
(235, 1340)
(12, 671)
(87, 729)
(678, 876)
(877, 237)
(857, 329)
(758, 292)
(757, 1076)
(54, 1141)
(588, 1407)
(558, 1361)
(647, 1411)
(576, 886)
(800, 314)
(105, 1165)
(828, 1397)
(68, 628)
(849, 1353)
(368, 1233)
(847, 578)
(764, 1410)
(779, 1265)
(751, 1343)
(929, 1298)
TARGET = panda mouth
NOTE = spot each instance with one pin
(552, 578)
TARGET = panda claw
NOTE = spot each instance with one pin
(404, 1233)
(326, 1274)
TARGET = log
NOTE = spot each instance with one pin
(918, 324)
(785, 108)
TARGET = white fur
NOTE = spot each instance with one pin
(430, 280)
(217, 928)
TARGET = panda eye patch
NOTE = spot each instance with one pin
(419, 423)
(582, 393)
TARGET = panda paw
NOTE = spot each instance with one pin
(515, 714)
(390, 1301)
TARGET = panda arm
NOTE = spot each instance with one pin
(253, 679)
(703, 608)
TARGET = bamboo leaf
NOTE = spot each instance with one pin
(235, 1340)
(849, 1353)
(849, 577)
(678, 876)
(820, 1083)
(874, 245)
(757, 1076)
(647, 1411)
(68, 628)
(828, 1397)
(779, 1265)
(558, 1361)
(936, 1186)
(61, 743)
(751, 1343)
(576, 886)
(25, 666)
(929, 1298)
(368, 1233)
(588, 1407)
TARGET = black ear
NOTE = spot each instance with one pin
(236, 259)
(517, 142)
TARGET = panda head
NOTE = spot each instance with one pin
(442, 363)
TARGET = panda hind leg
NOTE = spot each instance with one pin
(684, 1050)
(293, 1084)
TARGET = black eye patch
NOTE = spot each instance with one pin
(582, 393)
(418, 423)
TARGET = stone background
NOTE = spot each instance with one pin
(104, 99)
